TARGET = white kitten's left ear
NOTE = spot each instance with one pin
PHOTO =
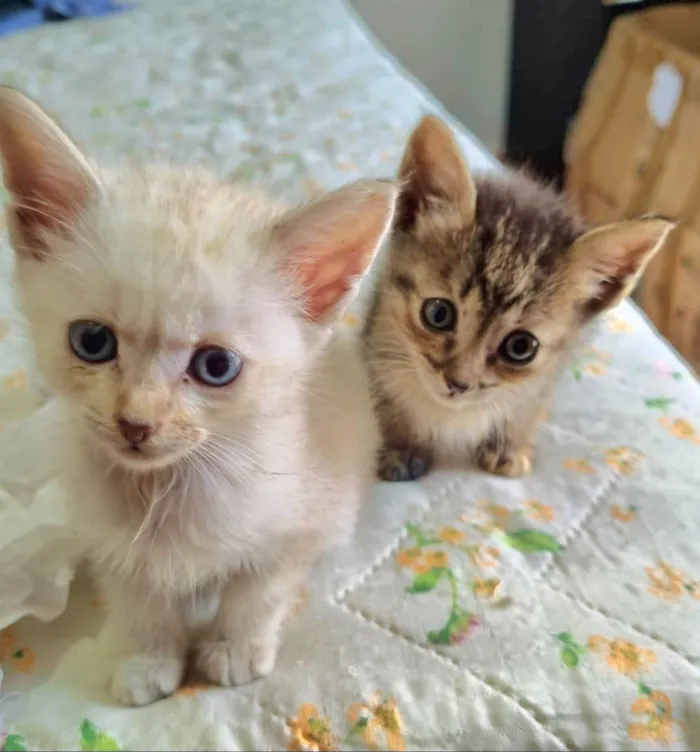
(329, 245)
(612, 258)
(48, 180)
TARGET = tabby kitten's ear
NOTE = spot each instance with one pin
(328, 245)
(433, 175)
(610, 259)
(47, 178)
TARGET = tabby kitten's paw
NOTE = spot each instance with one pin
(509, 462)
(398, 465)
(142, 679)
(233, 662)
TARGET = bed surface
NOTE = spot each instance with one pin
(556, 612)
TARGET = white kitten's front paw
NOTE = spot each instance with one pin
(230, 663)
(142, 679)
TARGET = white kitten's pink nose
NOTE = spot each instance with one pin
(134, 433)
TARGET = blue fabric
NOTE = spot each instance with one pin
(16, 19)
(54, 9)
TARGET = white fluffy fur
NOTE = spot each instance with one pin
(243, 487)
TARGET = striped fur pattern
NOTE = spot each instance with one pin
(517, 278)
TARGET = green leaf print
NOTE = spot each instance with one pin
(426, 581)
(94, 740)
(420, 537)
(458, 627)
(14, 743)
(571, 649)
(531, 541)
(569, 656)
(643, 689)
(98, 111)
(578, 374)
(659, 403)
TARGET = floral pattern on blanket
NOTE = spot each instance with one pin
(552, 612)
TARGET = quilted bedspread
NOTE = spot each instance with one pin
(555, 612)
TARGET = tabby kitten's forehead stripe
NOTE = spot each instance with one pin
(488, 284)
(512, 252)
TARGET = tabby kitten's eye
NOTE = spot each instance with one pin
(519, 348)
(438, 314)
(92, 342)
(215, 366)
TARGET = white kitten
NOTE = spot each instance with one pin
(214, 436)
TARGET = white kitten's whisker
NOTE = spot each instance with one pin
(230, 454)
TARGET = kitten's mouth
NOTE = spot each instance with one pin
(139, 458)
(450, 398)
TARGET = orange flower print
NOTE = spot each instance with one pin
(616, 324)
(378, 722)
(407, 557)
(623, 515)
(484, 556)
(597, 643)
(680, 428)
(595, 353)
(310, 731)
(659, 725)
(451, 535)
(431, 560)
(629, 659)
(536, 510)
(595, 368)
(350, 320)
(498, 512)
(23, 660)
(624, 656)
(665, 581)
(623, 460)
(486, 588)
(580, 466)
(190, 690)
(419, 562)
(15, 380)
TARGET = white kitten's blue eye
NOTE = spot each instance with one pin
(92, 342)
(215, 366)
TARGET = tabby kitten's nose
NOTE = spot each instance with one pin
(134, 433)
(456, 387)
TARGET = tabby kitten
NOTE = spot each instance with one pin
(487, 284)
(215, 437)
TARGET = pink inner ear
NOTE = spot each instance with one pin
(327, 275)
(47, 183)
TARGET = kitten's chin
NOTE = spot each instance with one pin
(136, 461)
(451, 401)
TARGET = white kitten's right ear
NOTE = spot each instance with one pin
(48, 180)
(330, 244)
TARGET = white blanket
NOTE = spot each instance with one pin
(554, 612)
